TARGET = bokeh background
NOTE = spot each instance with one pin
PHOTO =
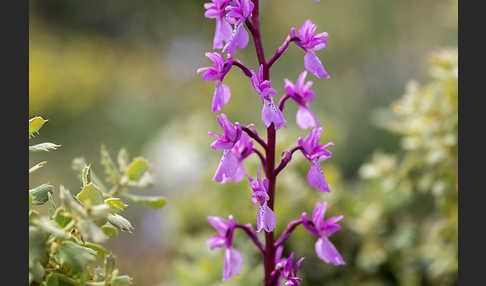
(122, 73)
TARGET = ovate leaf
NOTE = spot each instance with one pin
(74, 256)
(136, 169)
(35, 124)
(40, 194)
(155, 202)
(92, 232)
(109, 229)
(110, 167)
(122, 223)
(44, 147)
(116, 203)
(90, 193)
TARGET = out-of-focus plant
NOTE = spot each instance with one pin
(409, 209)
(65, 245)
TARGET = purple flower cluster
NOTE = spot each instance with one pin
(233, 18)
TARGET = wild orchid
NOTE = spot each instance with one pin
(238, 141)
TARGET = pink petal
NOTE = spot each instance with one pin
(271, 113)
(326, 251)
(305, 118)
(314, 65)
(219, 224)
(318, 214)
(233, 261)
(315, 177)
(227, 167)
(266, 218)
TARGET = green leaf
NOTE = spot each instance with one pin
(35, 124)
(116, 203)
(74, 256)
(86, 175)
(90, 193)
(91, 231)
(122, 223)
(58, 279)
(109, 267)
(123, 280)
(123, 159)
(100, 211)
(109, 229)
(37, 166)
(37, 246)
(100, 250)
(37, 272)
(110, 167)
(137, 168)
(155, 202)
(49, 226)
(30, 199)
(62, 217)
(40, 194)
(44, 147)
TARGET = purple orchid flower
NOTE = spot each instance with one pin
(229, 164)
(311, 43)
(316, 153)
(325, 250)
(216, 9)
(237, 15)
(222, 92)
(270, 112)
(241, 149)
(266, 218)
(302, 95)
(233, 260)
(288, 270)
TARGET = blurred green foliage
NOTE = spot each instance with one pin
(65, 244)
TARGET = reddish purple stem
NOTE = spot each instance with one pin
(286, 234)
(281, 103)
(281, 49)
(251, 233)
(286, 159)
(255, 136)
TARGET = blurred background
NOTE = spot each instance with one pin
(122, 73)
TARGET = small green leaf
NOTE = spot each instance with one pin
(49, 226)
(137, 168)
(123, 280)
(91, 231)
(37, 166)
(40, 194)
(109, 267)
(122, 223)
(90, 193)
(116, 203)
(37, 272)
(35, 124)
(62, 217)
(44, 147)
(100, 211)
(123, 159)
(58, 279)
(155, 202)
(30, 199)
(74, 256)
(98, 248)
(37, 246)
(86, 175)
(109, 229)
(110, 167)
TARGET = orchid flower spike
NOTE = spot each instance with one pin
(323, 229)
(266, 218)
(316, 154)
(301, 93)
(311, 43)
(233, 260)
(270, 112)
(222, 92)
(216, 9)
(237, 15)
(289, 271)
(229, 164)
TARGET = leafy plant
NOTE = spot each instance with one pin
(65, 245)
